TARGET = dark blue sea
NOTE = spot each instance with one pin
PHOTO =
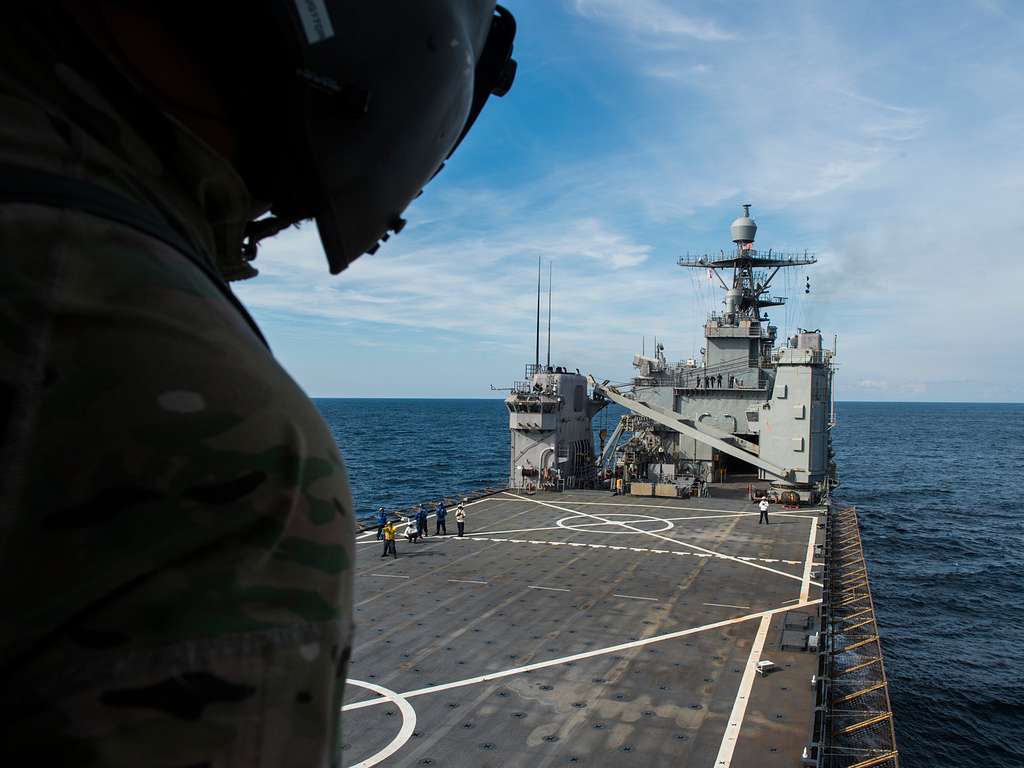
(938, 488)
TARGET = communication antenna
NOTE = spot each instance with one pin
(536, 351)
(549, 315)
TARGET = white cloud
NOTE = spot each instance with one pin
(446, 280)
(651, 19)
(896, 160)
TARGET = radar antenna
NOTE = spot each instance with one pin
(753, 270)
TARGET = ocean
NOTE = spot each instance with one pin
(935, 485)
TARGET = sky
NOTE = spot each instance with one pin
(886, 137)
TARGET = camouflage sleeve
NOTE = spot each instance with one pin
(176, 533)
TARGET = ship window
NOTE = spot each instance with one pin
(577, 401)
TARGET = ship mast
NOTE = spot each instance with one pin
(752, 271)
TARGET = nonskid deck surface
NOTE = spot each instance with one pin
(584, 629)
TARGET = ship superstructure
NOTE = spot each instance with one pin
(552, 443)
(550, 411)
(746, 404)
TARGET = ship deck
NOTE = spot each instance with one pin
(586, 629)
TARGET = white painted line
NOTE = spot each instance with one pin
(404, 733)
(479, 534)
(467, 581)
(726, 605)
(574, 657)
(805, 586)
(388, 575)
(550, 589)
(666, 538)
(739, 707)
(794, 600)
(636, 597)
(631, 549)
(659, 506)
(711, 517)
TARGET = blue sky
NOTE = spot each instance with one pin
(887, 137)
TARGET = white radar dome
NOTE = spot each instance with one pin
(744, 229)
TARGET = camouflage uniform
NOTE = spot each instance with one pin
(176, 534)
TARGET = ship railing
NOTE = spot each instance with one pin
(401, 514)
(759, 258)
(815, 356)
(755, 328)
(854, 722)
(739, 368)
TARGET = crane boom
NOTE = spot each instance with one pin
(728, 444)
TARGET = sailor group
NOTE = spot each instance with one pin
(416, 526)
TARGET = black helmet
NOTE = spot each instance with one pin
(379, 96)
(345, 109)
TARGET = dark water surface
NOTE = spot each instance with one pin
(938, 488)
(938, 492)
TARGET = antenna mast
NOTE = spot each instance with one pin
(536, 351)
(549, 316)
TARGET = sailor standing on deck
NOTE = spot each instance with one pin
(382, 520)
(763, 506)
(421, 520)
(389, 540)
(442, 515)
(460, 516)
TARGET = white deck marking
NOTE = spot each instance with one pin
(404, 733)
(739, 707)
(658, 506)
(667, 538)
(516, 530)
(467, 581)
(388, 575)
(805, 587)
(726, 605)
(631, 549)
(708, 517)
(794, 600)
(635, 597)
(573, 657)
(550, 589)
(690, 509)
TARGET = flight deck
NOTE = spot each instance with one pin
(581, 628)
